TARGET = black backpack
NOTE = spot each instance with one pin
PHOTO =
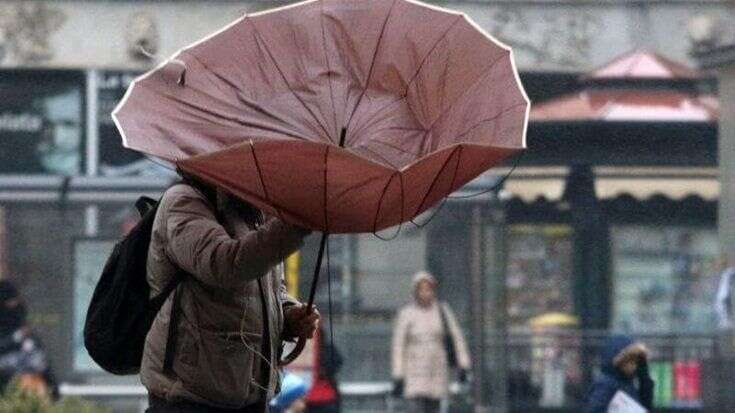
(121, 313)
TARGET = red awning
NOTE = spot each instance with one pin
(643, 64)
(622, 91)
(628, 105)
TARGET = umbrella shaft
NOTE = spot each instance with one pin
(322, 245)
(342, 137)
(317, 270)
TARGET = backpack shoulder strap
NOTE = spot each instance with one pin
(173, 322)
(145, 204)
(168, 358)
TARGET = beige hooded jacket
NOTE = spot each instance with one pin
(418, 354)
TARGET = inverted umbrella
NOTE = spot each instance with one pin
(341, 116)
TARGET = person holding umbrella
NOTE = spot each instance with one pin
(427, 345)
(372, 118)
(233, 312)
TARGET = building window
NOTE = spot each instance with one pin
(385, 269)
(44, 128)
(38, 249)
(664, 279)
(89, 259)
(115, 160)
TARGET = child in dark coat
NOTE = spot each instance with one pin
(623, 361)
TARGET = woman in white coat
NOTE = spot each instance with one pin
(427, 344)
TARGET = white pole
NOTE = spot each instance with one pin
(91, 220)
(91, 217)
(93, 125)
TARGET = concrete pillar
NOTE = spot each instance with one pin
(477, 300)
(726, 213)
(496, 308)
(717, 386)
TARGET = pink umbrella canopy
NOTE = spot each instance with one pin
(336, 115)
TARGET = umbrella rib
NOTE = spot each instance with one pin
(407, 129)
(258, 108)
(414, 76)
(399, 149)
(421, 65)
(329, 67)
(379, 156)
(238, 121)
(260, 177)
(376, 113)
(436, 177)
(372, 64)
(444, 200)
(485, 72)
(380, 203)
(503, 112)
(283, 76)
(214, 73)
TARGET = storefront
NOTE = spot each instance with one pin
(612, 221)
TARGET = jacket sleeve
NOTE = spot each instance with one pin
(398, 348)
(199, 245)
(286, 298)
(460, 344)
(645, 394)
(599, 398)
(722, 300)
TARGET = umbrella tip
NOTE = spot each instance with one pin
(342, 137)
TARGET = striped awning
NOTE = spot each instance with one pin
(535, 183)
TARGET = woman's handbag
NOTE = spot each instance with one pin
(448, 341)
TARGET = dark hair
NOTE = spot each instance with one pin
(248, 211)
(209, 191)
(8, 291)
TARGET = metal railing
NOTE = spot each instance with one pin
(137, 396)
(544, 372)
(555, 370)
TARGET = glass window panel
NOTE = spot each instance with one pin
(539, 277)
(39, 241)
(385, 268)
(89, 259)
(115, 160)
(41, 132)
(664, 279)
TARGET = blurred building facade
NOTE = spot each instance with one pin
(638, 174)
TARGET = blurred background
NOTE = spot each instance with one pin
(618, 218)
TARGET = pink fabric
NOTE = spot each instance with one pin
(427, 100)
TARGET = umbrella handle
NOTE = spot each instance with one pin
(294, 354)
(301, 344)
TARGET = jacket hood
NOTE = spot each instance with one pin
(616, 350)
(423, 276)
(418, 278)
